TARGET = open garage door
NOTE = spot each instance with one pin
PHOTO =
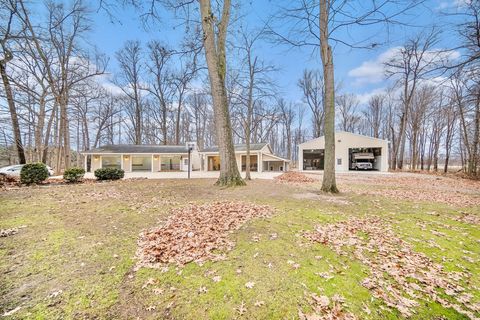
(313, 159)
(365, 158)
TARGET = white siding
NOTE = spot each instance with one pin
(343, 142)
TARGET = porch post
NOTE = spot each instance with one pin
(85, 162)
(121, 161)
(260, 162)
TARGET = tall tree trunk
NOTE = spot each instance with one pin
(11, 106)
(217, 67)
(47, 134)
(329, 183)
(65, 132)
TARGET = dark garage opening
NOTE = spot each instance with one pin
(364, 158)
(313, 159)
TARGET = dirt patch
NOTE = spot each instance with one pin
(399, 276)
(196, 232)
(321, 197)
(294, 177)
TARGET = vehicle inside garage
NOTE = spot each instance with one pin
(364, 158)
(313, 159)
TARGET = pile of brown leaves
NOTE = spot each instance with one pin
(7, 181)
(325, 308)
(294, 177)
(194, 232)
(399, 275)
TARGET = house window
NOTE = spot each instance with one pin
(339, 161)
(111, 162)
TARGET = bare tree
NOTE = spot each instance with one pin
(374, 113)
(160, 86)
(347, 105)
(312, 88)
(6, 33)
(69, 66)
(181, 81)
(214, 38)
(131, 68)
(254, 84)
(414, 62)
(287, 116)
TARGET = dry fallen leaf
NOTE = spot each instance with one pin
(11, 312)
(250, 284)
(259, 303)
(149, 282)
(241, 309)
(157, 291)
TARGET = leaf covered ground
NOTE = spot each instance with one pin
(388, 247)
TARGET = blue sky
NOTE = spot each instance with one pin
(109, 37)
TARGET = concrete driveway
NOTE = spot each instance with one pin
(184, 175)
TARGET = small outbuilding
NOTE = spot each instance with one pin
(352, 152)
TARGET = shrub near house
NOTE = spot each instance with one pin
(109, 174)
(74, 174)
(33, 173)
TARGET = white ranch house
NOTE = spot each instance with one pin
(168, 158)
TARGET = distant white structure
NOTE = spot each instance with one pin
(311, 153)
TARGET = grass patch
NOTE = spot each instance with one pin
(80, 241)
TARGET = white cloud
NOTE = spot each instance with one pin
(452, 4)
(372, 71)
(363, 98)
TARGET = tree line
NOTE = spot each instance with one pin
(59, 98)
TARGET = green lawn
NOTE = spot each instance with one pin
(75, 256)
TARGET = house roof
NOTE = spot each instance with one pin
(132, 148)
(239, 147)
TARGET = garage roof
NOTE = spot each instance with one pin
(132, 148)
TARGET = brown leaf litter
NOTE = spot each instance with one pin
(426, 188)
(469, 218)
(294, 177)
(196, 233)
(398, 275)
(10, 232)
(325, 308)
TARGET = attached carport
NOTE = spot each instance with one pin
(272, 162)
(311, 153)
